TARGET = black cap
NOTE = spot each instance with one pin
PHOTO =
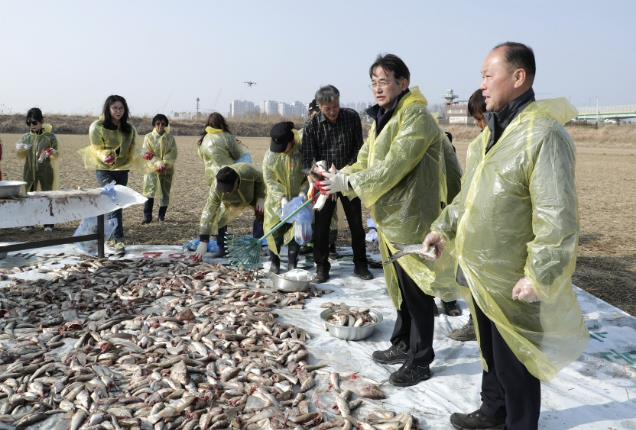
(281, 135)
(313, 106)
(225, 180)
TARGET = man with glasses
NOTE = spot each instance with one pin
(335, 136)
(397, 176)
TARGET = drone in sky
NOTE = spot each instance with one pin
(249, 83)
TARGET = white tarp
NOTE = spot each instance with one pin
(598, 391)
(54, 207)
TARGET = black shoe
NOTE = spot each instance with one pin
(274, 266)
(321, 277)
(476, 420)
(465, 333)
(410, 374)
(148, 210)
(363, 273)
(162, 213)
(451, 309)
(292, 255)
(394, 355)
(220, 241)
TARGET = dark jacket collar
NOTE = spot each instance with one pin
(498, 121)
(382, 116)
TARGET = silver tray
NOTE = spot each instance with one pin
(11, 188)
(284, 284)
(350, 333)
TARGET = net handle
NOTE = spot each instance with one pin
(284, 220)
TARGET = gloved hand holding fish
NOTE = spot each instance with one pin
(429, 253)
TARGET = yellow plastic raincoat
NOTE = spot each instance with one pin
(398, 176)
(218, 149)
(284, 177)
(105, 143)
(164, 148)
(453, 171)
(516, 216)
(37, 167)
(222, 208)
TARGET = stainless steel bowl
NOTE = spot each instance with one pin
(11, 188)
(350, 333)
(290, 285)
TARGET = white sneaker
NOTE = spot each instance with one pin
(115, 247)
(27, 228)
(48, 229)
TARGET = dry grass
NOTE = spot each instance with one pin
(605, 179)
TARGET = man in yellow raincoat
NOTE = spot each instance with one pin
(515, 231)
(398, 175)
(238, 186)
(160, 152)
(285, 179)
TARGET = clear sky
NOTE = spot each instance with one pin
(67, 56)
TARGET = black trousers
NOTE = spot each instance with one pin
(415, 320)
(322, 221)
(507, 388)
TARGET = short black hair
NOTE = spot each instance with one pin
(476, 104)
(519, 56)
(34, 114)
(226, 178)
(392, 63)
(160, 117)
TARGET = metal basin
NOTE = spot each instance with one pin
(350, 333)
(297, 280)
(11, 188)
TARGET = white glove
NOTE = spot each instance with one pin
(283, 202)
(335, 182)
(433, 246)
(524, 291)
(260, 205)
(22, 146)
(202, 248)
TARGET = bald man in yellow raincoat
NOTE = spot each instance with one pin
(515, 231)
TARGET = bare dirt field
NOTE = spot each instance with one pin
(606, 180)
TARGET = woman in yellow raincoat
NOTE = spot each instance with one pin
(285, 179)
(217, 147)
(160, 152)
(398, 175)
(515, 231)
(113, 153)
(39, 149)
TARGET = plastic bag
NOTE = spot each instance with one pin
(304, 216)
(303, 233)
(372, 234)
(89, 226)
(109, 190)
(213, 247)
(245, 158)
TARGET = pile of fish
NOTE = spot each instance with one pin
(345, 316)
(151, 344)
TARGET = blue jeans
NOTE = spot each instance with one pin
(121, 178)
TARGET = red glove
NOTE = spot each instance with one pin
(149, 155)
(110, 160)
